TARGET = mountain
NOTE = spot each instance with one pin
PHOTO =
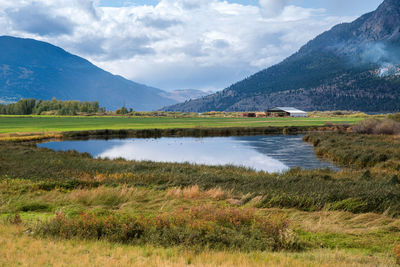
(182, 95)
(34, 69)
(353, 66)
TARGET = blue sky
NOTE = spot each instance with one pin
(179, 44)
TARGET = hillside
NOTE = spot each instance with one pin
(181, 95)
(33, 69)
(353, 66)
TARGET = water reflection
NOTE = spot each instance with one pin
(264, 153)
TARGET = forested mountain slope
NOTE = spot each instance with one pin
(353, 66)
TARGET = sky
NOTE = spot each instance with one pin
(179, 44)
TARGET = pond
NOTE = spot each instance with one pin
(262, 153)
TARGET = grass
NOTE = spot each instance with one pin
(40, 124)
(18, 249)
(368, 152)
(303, 189)
(330, 237)
(83, 211)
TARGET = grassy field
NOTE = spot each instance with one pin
(13, 124)
(66, 208)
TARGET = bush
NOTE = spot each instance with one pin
(366, 126)
(205, 226)
(373, 126)
(388, 127)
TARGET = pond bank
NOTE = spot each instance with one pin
(198, 132)
(174, 132)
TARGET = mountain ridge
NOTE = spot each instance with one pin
(343, 68)
(36, 69)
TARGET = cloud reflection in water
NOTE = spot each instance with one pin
(263, 153)
(209, 151)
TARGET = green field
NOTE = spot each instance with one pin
(13, 124)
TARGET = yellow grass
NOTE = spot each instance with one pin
(19, 249)
(341, 222)
(194, 192)
(21, 137)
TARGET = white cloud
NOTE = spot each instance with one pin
(201, 44)
(272, 8)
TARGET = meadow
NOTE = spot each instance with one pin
(40, 124)
(62, 208)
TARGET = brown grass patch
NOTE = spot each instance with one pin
(26, 137)
(194, 192)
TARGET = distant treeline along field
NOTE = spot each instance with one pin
(56, 107)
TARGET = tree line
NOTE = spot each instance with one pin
(59, 107)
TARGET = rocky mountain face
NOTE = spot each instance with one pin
(33, 69)
(353, 66)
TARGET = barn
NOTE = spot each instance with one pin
(286, 112)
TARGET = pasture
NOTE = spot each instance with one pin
(24, 124)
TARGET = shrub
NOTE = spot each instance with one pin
(373, 126)
(366, 126)
(204, 226)
(388, 127)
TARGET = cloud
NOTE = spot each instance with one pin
(186, 4)
(34, 19)
(159, 23)
(199, 44)
(173, 150)
(272, 8)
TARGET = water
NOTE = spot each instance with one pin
(262, 153)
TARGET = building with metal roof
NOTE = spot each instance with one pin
(286, 112)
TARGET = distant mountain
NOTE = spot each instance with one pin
(354, 66)
(34, 69)
(182, 95)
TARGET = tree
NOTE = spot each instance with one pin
(122, 111)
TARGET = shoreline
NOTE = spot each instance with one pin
(173, 132)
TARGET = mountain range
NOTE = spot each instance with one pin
(353, 66)
(34, 69)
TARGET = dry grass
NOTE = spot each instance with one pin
(103, 195)
(194, 192)
(25, 137)
(338, 221)
(18, 249)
